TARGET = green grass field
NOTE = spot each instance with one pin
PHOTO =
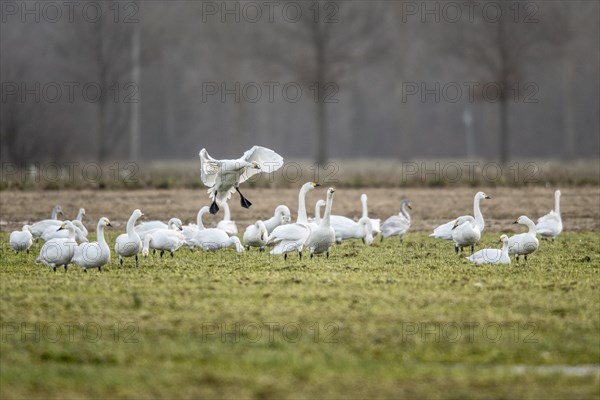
(389, 320)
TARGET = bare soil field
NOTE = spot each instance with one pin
(580, 206)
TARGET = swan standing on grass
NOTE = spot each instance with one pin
(523, 243)
(397, 225)
(550, 225)
(59, 251)
(346, 229)
(94, 254)
(375, 223)
(256, 235)
(322, 237)
(163, 240)
(223, 177)
(444, 231)
(213, 239)
(51, 232)
(150, 226)
(492, 256)
(281, 216)
(465, 232)
(38, 228)
(129, 244)
(21, 240)
(226, 224)
(292, 237)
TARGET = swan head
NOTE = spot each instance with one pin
(26, 228)
(137, 213)
(482, 195)
(310, 185)
(503, 239)
(238, 244)
(462, 220)
(363, 197)
(365, 222)
(557, 194)
(320, 203)
(330, 192)
(175, 224)
(57, 210)
(66, 225)
(82, 211)
(407, 203)
(284, 211)
(105, 221)
(524, 220)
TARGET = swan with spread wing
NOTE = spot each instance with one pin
(223, 177)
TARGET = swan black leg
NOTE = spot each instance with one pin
(456, 249)
(525, 257)
(300, 254)
(136, 261)
(243, 201)
(54, 269)
(85, 270)
(66, 267)
(172, 254)
(214, 208)
(120, 261)
(381, 240)
(472, 248)
(284, 256)
(162, 253)
(327, 253)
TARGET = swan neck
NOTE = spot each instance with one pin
(131, 228)
(199, 219)
(147, 241)
(317, 213)
(327, 216)
(365, 209)
(505, 248)
(557, 204)
(100, 235)
(477, 214)
(54, 214)
(302, 217)
(226, 212)
(404, 212)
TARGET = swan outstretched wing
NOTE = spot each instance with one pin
(209, 168)
(266, 159)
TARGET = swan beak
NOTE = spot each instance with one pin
(455, 225)
(488, 197)
(315, 184)
(409, 206)
(108, 224)
(61, 228)
(516, 222)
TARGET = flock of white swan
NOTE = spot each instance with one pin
(66, 242)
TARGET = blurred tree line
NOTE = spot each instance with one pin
(311, 79)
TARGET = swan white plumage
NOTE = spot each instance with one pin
(444, 231)
(164, 240)
(213, 239)
(281, 216)
(223, 177)
(94, 254)
(79, 217)
(256, 235)
(375, 223)
(465, 232)
(226, 224)
(323, 236)
(60, 251)
(397, 225)
(52, 232)
(150, 226)
(191, 230)
(346, 229)
(523, 243)
(492, 256)
(550, 225)
(129, 244)
(38, 228)
(21, 240)
(291, 237)
(314, 222)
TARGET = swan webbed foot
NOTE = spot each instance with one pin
(54, 269)
(214, 208)
(243, 201)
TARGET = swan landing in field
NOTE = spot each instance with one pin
(223, 177)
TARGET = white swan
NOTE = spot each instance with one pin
(226, 224)
(346, 229)
(256, 235)
(465, 232)
(52, 232)
(129, 244)
(213, 239)
(79, 217)
(191, 230)
(38, 228)
(492, 256)
(223, 177)
(163, 240)
(291, 237)
(281, 216)
(444, 231)
(323, 236)
(397, 225)
(314, 222)
(94, 254)
(375, 223)
(150, 226)
(523, 243)
(21, 240)
(60, 251)
(550, 225)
